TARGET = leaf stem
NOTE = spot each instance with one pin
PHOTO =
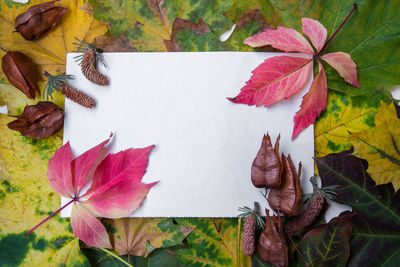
(117, 257)
(51, 216)
(341, 25)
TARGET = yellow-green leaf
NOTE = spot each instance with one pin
(26, 198)
(381, 147)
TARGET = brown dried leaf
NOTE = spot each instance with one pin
(38, 20)
(267, 167)
(287, 198)
(39, 121)
(272, 246)
(21, 72)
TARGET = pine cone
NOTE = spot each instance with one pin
(309, 215)
(89, 69)
(248, 235)
(77, 96)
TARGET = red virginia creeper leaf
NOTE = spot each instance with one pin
(344, 65)
(315, 31)
(83, 164)
(59, 172)
(284, 39)
(277, 78)
(116, 188)
(314, 102)
(88, 229)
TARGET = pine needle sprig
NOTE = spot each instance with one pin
(246, 211)
(328, 192)
(54, 83)
(82, 47)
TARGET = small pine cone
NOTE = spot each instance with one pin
(248, 235)
(89, 69)
(77, 96)
(309, 215)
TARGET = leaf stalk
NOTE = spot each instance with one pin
(116, 256)
(51, 216)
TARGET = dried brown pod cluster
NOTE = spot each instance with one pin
(38, 20)
(59, 83)
(287, 197)
(266, 169)
(88, 60)
(272, 246)
(21, 72)
(39, 121)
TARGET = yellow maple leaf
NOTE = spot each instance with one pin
(48, 53)
(381, 147)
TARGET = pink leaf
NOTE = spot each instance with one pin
(131, 162)
(59, 172)
(314, 102)
(285, 39)
(88, 229)
(83, 164)
(344, 65)
(120, 199)
(275, 79)
(315, 31)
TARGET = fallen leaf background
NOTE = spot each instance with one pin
(370, 37)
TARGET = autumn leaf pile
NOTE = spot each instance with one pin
(360, 118)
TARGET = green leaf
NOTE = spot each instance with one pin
(327, 244)
(149, 25)
(376, 224)
(164, 257)
(214, 242)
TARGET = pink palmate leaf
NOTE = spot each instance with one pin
(284, 39)
(82, 165)
(313, 104)
(60, 173)
(88, 229)
(344, 65)
(116, 188)
(315, 31)
(275, 79)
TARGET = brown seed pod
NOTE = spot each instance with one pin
(21, 72)
(266, 169)
(272, 246)
(287, 198)
(77, 96)
(315, 205)
(38, 20)
(39, 121)
(89, 68)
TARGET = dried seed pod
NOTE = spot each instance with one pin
(315, 205)
(267, 168)
(252, 221)
(39, 121)
(88, 60)
(58, 83)
(272, 246)
(287, 198)
(38, 20)
(21, 72)
(77, 96)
